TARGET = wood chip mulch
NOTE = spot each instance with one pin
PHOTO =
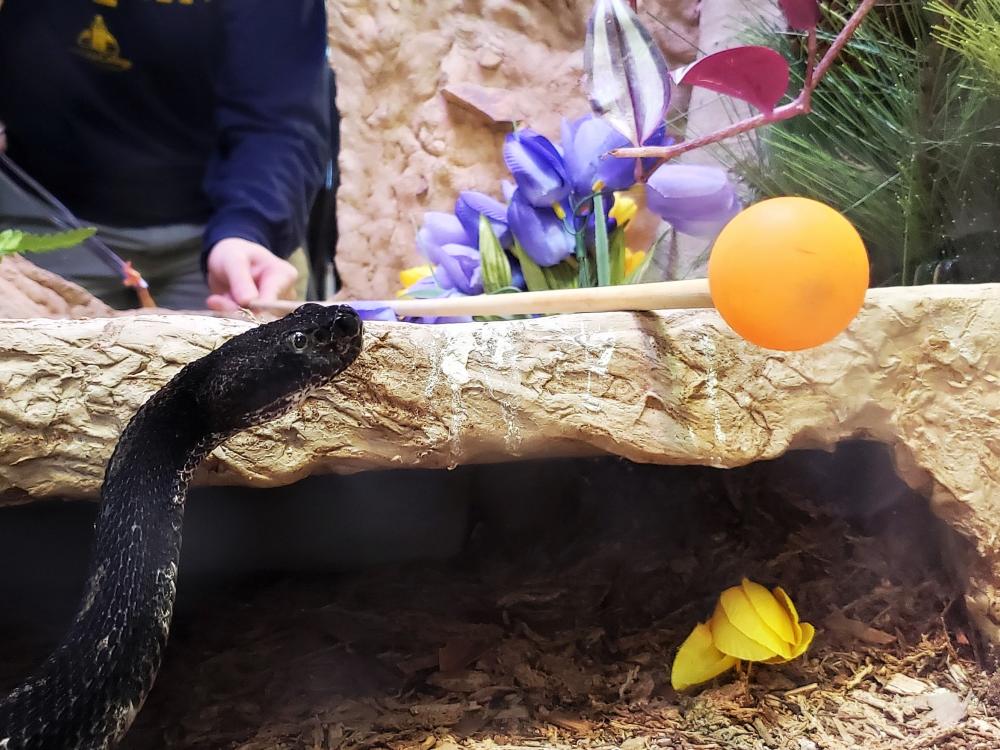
(564, 639)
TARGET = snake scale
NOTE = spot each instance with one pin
(88, 691)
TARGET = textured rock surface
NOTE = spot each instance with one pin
(918, 370)
(413, 80)
(27, 291)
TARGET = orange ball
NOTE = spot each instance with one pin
(788, 273)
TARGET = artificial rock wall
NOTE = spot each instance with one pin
(919, 370)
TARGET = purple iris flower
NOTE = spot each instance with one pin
(372, 310)
(457, 267)
(586, 142)
(442, 229)
(470, 206)
(445, 243)
(696, 200)
(537, 167)
(541, 233)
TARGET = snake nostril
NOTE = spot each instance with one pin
(347, 323)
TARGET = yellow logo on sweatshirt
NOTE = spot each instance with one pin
(98, 44)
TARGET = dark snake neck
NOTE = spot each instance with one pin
(86, 694)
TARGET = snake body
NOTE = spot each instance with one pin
(88, 691)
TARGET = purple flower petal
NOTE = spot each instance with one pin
(372, 310)
(587, 144)
(508, 189)
(441, 228)
(471, 205)
(694, 199)
(537, 167)
(588, 141)
(458, 267)
(541, 233)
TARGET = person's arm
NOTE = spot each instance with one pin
(273, 124)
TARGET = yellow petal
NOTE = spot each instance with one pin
(698, 660)
(729, 640)
(624, 209)
(808, 633)
(410, 276)
(786, 601)
(741, 613)
(770, 610)
(633, 259)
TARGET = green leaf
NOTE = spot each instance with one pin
(601, 242)
(616, 256)
(15, 241)
(562, 276)
(583, 262)
(425, 294)
(541, 279)
(496, 267)
(10, 240)
(534, 276)
(636, 276)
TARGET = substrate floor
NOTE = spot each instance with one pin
(563, 638)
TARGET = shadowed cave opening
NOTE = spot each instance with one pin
(527, 603)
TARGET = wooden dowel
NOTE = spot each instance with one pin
(662, 295)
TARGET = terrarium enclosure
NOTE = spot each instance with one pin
(759, 511)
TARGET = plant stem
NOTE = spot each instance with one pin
(801, 105)
(601, 242)
(581, 259)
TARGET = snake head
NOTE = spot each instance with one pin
(263, 372)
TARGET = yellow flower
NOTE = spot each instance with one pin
(698, 660)
(410, 276)
(750, 623)
(624, 210)
(633, 259)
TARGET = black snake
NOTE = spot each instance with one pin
(87, 693)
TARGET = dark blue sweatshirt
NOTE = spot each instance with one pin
(150, 112)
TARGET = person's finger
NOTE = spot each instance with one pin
(221, 303)
(241, 285)
(275, 280)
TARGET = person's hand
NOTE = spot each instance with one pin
(241, 272)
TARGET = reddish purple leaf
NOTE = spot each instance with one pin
(802, 15)
(757, 75)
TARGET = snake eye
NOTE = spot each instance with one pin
(299, 341)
